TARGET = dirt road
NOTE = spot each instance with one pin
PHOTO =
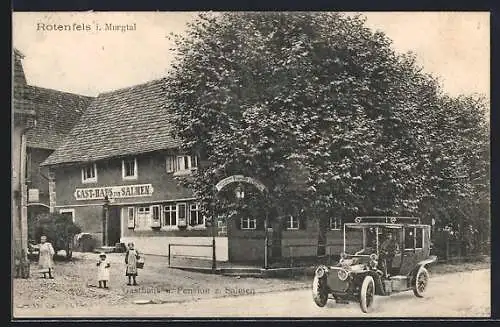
(464, 294)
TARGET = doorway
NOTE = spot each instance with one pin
(276, 239)
(114, 226)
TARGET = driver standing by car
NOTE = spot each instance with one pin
(387, 253)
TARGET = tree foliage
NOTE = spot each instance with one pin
(324, 111)
(58, 228)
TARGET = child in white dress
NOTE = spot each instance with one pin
(103, 266)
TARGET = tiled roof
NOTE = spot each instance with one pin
(57, 112)
(20, 103)
(124, 122)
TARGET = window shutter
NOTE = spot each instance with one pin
(130, 217)
(303, 222)
(260, 223)
(170, 164)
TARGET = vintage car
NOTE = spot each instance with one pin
(362, 273)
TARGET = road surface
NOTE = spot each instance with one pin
(465, 294)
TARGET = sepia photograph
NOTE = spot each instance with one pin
(250, 164)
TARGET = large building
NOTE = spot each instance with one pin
(57, 112)
(115, 173)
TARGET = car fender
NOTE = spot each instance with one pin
(421, 264)
(427, 261)
(377, 278)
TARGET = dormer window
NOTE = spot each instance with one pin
(182, 164)
(89, 173)
(129, 169)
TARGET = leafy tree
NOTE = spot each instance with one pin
(322, 110)
(58, 228)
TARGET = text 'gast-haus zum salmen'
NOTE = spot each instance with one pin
(121, 149)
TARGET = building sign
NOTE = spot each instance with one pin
(239, 179)
(114, 192)
(33, 195)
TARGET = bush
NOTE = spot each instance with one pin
(59, 229)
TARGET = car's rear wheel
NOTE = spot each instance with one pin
(421, 282)
(320, 291)
(367, 294)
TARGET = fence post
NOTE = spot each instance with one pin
(169, 254)
(330, 256)
(291, 256)
(447, 248)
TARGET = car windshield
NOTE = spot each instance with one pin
(366, 239)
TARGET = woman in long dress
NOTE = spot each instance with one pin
(45, 260)
(131, 258)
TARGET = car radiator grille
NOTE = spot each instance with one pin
(335, 283)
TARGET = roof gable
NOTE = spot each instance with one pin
(57, 112)
(18, 71)
(119, 123)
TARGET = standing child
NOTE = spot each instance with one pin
(103, 266)
(45, 259)
(131, 258)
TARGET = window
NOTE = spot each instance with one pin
(89, 174)
(171, 164)
(143, 218)
(419, 235)
(248, 223)
(181, 214)
(156, 216)
(195, 217)
(292, 223)
(68, 213)
(335, 223)
(181, 163)
(129, 169)
(409, 238)
(130, 217)
(169, 215)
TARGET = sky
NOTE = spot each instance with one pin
(453, 46)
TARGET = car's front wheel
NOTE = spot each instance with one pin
(421, 281)
(320, 291)
(367, 294)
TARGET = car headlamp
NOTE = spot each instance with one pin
(342, 274)
(320, 272)
(373, 260)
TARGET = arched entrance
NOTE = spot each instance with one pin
(264, 192)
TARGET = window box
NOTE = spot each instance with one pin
(185, 172)
(169, 228)
(197, 227)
